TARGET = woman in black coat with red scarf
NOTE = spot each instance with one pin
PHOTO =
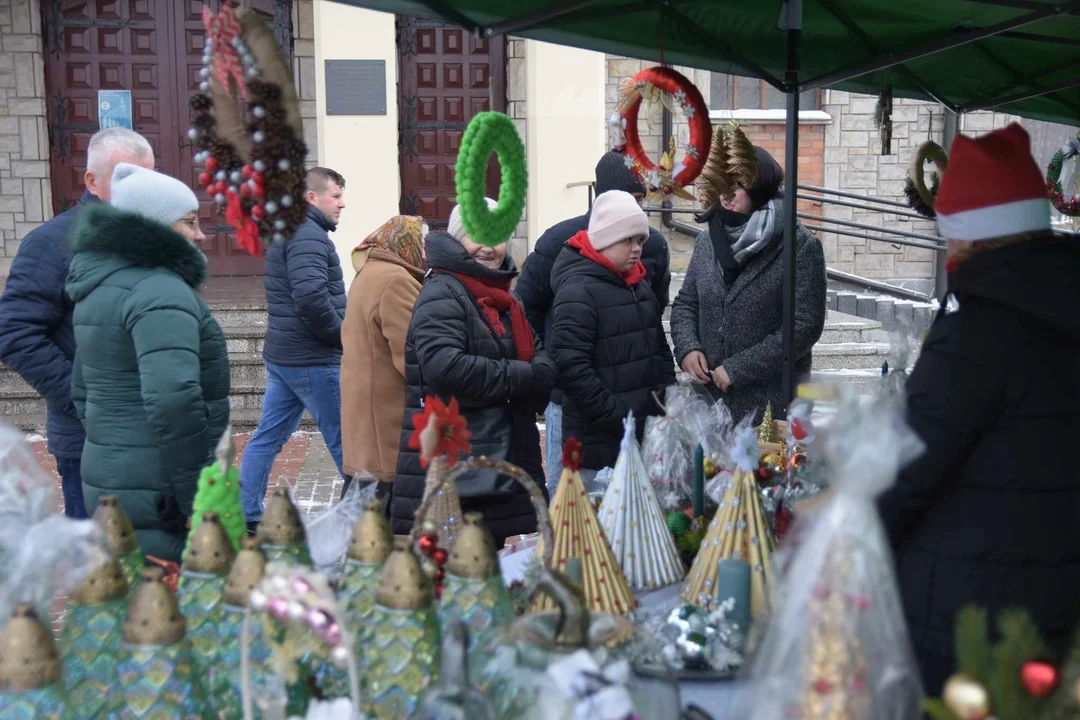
(470, 339)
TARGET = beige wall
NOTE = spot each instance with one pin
(565, 96)
(363, 148)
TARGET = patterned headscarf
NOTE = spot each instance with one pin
(402, 235)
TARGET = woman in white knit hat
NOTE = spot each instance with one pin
(151, 372)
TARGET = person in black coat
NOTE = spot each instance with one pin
(469, 339)
(987, 515)
(36, 336)
(607, 334)
(534, 285)
(305, 298)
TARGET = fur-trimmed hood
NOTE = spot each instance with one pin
(106, 240)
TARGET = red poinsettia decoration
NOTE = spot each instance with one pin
(172, 571)
(439, 430)
(571, 454)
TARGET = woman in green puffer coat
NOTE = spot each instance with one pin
(151, 371)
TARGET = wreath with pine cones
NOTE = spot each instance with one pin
(1069, 207)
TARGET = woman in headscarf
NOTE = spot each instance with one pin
(726, 323)
(471, 340)
(389, 266)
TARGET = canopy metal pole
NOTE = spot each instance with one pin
(793, 24)
(1039, 91)
(941, 274)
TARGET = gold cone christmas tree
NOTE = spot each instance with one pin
(634, 523)
(742, 164)
(121, 538)
(440, 435)
(578, 534)
(738, 531)
(714, 181)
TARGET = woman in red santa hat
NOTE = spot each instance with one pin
(988, 515)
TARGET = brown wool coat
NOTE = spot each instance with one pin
(377, 317)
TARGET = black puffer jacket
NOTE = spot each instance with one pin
(534, 285)
(305, 297)
(987, 515)
(608, 341)
(451, 352)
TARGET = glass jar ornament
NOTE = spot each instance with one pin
(31, 674)
(155, 669)
(121, 538)
(200, 595)
(90, 641)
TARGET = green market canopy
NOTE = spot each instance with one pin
(1017, 56)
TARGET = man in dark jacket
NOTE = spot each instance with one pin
(987, 516)
(305, 298)
(534, 285)
(36, 336)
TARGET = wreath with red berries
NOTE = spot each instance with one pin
(253, 165)
(675, 91)
(1069, 207)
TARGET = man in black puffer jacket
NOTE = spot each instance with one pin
(987, 515)
(607, 334)
(536, 293)
(481, 351)
(305, 297)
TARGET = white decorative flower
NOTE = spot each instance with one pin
(628, 161)
(679, 96)
(691, 151)
(688, 111)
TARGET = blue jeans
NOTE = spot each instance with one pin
(289, 391)
(553, 446)
(70, 471)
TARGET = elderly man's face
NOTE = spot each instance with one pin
(101, 184)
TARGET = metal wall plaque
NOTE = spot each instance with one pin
(355, 87)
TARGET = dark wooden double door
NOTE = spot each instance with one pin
(446, 75)
(154, 49)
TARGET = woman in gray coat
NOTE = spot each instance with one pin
(726, 323)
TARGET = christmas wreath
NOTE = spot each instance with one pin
(255, 169)
(674, 90)
(491, 132)
(921, 198)
(1071, 206)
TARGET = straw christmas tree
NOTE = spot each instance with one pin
(742, 164)
(578, 534)
(739, 531)
(219, 491)
(439, 433)
(634, 523)
(714, 181)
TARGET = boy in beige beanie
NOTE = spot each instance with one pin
(607, 335)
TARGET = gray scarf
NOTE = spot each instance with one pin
(749, 239)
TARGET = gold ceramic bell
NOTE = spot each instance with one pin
(119, 533)
(105, 583)
(280, 524)
(153, 616)
(247, 572)
(209, 549)
(473, 552)
(403, 585)
(28, 657)
(372, 539)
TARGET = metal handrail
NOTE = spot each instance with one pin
(875, 228)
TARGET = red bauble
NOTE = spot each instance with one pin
(259, 191)
(258, 178)
(426, 543)
(258, 212)
(245, 190)
(439, 555)
(439, 575)
(211, 163)
(204, 178)
(438, 591)
(1039, 678)
(247, 172)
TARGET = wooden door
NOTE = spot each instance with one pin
(446, 75)
(153, 48)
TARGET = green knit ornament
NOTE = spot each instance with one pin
(678, 523)
(220, 494)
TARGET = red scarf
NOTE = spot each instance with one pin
(581, 242)
(495, 299)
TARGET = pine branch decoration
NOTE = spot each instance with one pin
(742, 160)
(973, 643)
(1063, 705)
(1020, 642)
(715, 182)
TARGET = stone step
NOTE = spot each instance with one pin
(890, 312)
(863, 381)
(850, 356)
(245, 339)
(242, 421)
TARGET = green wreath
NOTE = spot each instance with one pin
(491, 132)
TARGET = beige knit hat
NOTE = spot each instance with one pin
(615, 217)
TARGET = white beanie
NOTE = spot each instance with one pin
(615, 217)
(455, 227)
(151, 195)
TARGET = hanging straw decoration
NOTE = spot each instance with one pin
(742, 164)
(715, 182)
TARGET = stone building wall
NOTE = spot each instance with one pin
(25, 190)
(516, 86)
(304, 69)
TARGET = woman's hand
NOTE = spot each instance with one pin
(694, 363)
(720, 377)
